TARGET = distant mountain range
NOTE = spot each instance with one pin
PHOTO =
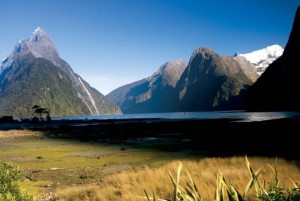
(34, 74)
(278, 86)
(153, 94)
(207, 82)
(262, 58)
(213, 82)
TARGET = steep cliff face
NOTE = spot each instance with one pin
(38, 82)
(212, 82)
(34, 73)
(277, 87)
(152, 94)
(207, 82)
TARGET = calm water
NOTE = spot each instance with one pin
(243, 116)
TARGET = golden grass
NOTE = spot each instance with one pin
(85, 193)
(60, 164)
(9, 134)
(63, 163)
(130, 185)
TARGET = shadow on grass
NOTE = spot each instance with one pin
(216, 137)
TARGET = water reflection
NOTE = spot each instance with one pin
(234, 115)
(263, 116)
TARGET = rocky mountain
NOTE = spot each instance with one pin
(277, 87)
(262, 58)
(34, 73)
(207, 82)
(152, 94)
(213, 82)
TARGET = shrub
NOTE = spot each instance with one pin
(9, 188)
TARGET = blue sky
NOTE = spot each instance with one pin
(114, 42)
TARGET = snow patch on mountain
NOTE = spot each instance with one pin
(37, 29)
(261, 59)
(39, 44)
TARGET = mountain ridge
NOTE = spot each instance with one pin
(262, 58)
(40, 45)
(213, 82)
(143, 96)
(207, 82)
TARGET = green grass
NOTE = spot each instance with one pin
(75, 170)
(70, 154)
(59, 163)
(35, 187)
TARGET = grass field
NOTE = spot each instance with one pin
(49, 164)
(130, 185)
(74, 170)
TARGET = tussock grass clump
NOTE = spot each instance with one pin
(130, 185)
(226, 191)
(84, 193)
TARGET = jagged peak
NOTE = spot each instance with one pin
(173, 63)
(169, 65)
(203, 50)
(38, 29)
(258, 55)
(39, 44)
(169, 71)
(38, 34)
(159, 71)
(274, 46)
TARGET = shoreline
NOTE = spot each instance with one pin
(219, 137)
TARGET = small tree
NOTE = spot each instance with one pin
(9, 188)
(41, 113)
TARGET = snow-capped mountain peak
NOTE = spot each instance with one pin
(37, 29)
(262, 58)
(39, 44)
(38, 52)
(38, 34)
